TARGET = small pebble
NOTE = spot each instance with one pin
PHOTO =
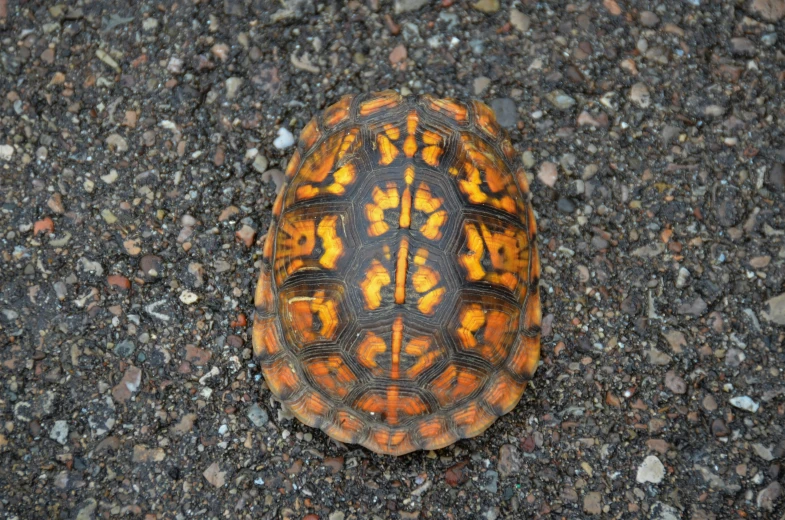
(548, 174)
(188, 297)
(284, 140)
(745, 403)
(651, 470)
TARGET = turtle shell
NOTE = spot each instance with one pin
(398, 304)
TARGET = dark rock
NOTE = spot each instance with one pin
(151, 265)
(506, 112)
(509, 460)
(457, 474)
(776, 178)
(565, 205)
(719, 428)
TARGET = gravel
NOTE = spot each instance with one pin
(141, 151)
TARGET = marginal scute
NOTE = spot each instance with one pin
(397, 304)
(503, 392)
(380, 101)
(282, 378)
(267, 342)
(486, 119)
(337, 113)
(347, 426)
(435, 433)
(332, 375)
(310, 407)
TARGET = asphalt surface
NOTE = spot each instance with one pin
(140, 150)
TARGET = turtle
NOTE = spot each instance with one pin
(397, 305)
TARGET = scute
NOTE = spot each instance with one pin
(397, 306)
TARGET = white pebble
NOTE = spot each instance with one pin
(59, 432)
(745, 403)
(187, 297)
(284, 140)
(6, 152)
(651, 470)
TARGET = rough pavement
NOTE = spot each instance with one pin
(140, 150)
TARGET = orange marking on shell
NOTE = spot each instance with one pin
(382, 200)
(507, 251)
(294, 164)
(405, 218)
(410, 146)
(306, 191)
(531, 223)
(431, 154)
(381, 100)
(395, 404)
(432, 227)
(278, 204)
(425, 279)
(331, 242)
(495, 179)
(347, 427)
(301, 312)
(450, 108)
(426, 353)
(408, 174)
(349, 143)
(522, 180)
(472, 419)
(525, 354)
(371, 346)
(281, 378)
(428, 303)
(401, 267)
(302, 319)
(436, 432)
(508, 150)
(425, 201)
(392, 405)
(375, 278)
(535, 262)
(325, 308)
(392, 131)
(485, 119)
(454, 384)
(332, 375)
(410, 143)
(411, 122)
(295, 238)
(387, 151)
(472, 261)
(503, 393)
(533, 311)
(319, 164)
(310, 134)
(269, 242)
(338, 112)
(345, 175)
(310, 407)
(472, 191)
(498, 329)
(393, 442)
(432, 138)
(265, 337)
(263, 296)
(397, 342)
(472, 319)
